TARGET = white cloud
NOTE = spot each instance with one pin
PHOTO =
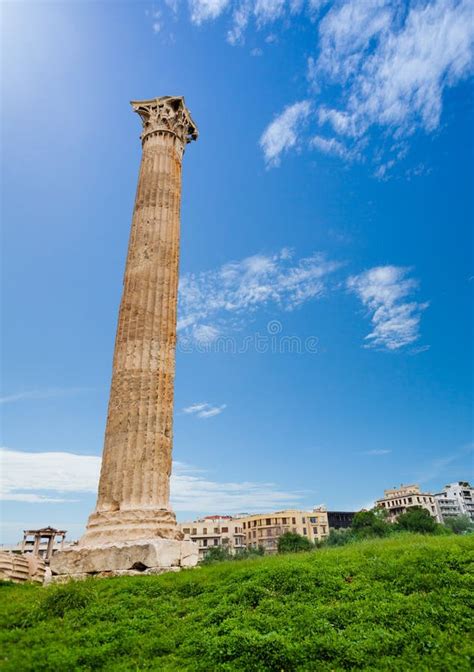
(31, 474)
(377, 451)
(204, 410)
(346, 31)
(238, 289)
(383, 290)
(47, 393)
(392, 68)
(205, 333)
(191, 491)
(267, 11)
(206, 10)
(283, 132)
(386, 64)
(332, 147)
(59, 472)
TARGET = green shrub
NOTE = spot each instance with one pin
(339, 538)
(417, 519)
(370, 524)
(291, 542)
(459, 524)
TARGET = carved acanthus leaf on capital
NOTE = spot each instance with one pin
(166, 114)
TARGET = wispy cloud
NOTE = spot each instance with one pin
(376, 452)
(47, 393)
(383, 290)
(392, 67)
(28, 476)
(284, 131)
(212, 300)
(333, 147)
(386, 64)
(206, 10)
(204, 410)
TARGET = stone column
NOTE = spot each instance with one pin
(133, 527)
(133, 499)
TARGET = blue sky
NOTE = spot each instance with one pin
(327, 204)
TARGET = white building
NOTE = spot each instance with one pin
(215, 532)
(399, 500)
(456, 499)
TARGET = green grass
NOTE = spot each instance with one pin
(403, 603)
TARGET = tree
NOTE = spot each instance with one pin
(370, 524)
(459, 524)
(417, 519)
(291, 542)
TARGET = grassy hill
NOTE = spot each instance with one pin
(397, 604)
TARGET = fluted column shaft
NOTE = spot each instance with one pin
(138, 441)
(133, 497)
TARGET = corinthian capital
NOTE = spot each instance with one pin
(167, 114)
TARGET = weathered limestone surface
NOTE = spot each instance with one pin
(19, 568)
(135, 555)
(133, 499)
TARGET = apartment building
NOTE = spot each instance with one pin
(215, 531)
(264, 529)
(456, 499)
(399, 500)
(340, 520)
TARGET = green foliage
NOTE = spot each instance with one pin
(71, 596)
(459, 524)
(291, 542)
(417, 519)
(219, 554)
(370, 524)
(339, 538)
(216, 554)
(389, 605)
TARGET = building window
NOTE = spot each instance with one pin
(225, 529)
(313, 519)
(195, 530)
(186, 530)
(268, 521)
(216, 542)
(204, 530)
(315, 530)
(204, 542)
(304, 530)
(284, 520)
(216, 530)
(293, 520)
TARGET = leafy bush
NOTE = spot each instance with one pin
(291, 542)
(386, 605)
(417, 519)
(219, 554)
(370, 524)
(339, 538)
(459, 524)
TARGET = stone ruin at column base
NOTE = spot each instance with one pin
(105, 553)
(133, 529)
